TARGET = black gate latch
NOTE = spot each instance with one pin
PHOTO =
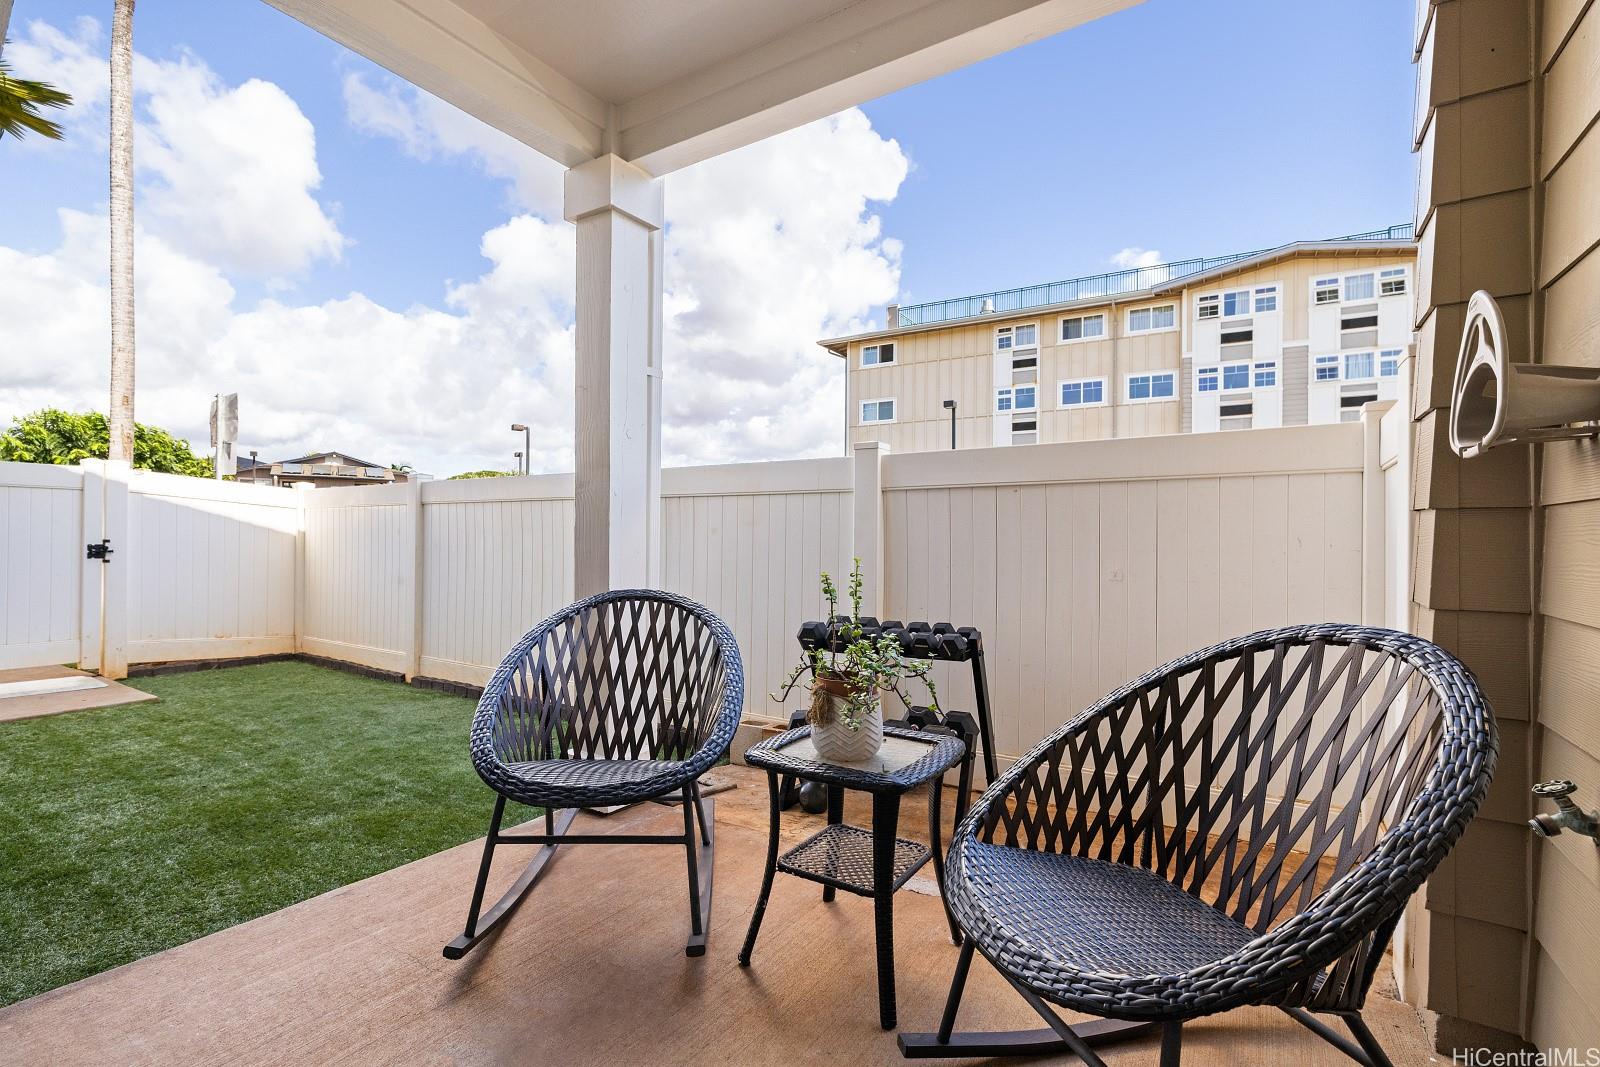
(101, 551)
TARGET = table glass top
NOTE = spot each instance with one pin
(896, 754)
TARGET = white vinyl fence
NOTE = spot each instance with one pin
(1083, 564)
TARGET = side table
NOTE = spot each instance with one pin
(870, 863)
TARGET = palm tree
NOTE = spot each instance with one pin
(121, 421)
(20, 104)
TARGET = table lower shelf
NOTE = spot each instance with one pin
(841, 856)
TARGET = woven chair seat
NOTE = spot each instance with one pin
(597, 782)
(1074, 915)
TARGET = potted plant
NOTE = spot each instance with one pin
(849, 679)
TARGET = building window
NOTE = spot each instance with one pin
(877, 410)
(1358, 287)
(1266, 375)
(1236, 376)
(1327, 368)
(1266, 299)
(1143, 320)
(1364, 320)
(1392, 282)
(1357, 365)
(1027, 362)
(1145, 387)
(1007, 337)
(1207, 307)
(1389, 363)
(1236, 303)
(1083, 393)
(1017, 398)
(1234, 411)
(1238, 337)
(1083, 327)
(1326, 291)
(1208, 380)
(877, 355)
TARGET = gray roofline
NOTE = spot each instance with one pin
(839, 345)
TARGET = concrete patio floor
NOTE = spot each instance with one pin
(590, 970)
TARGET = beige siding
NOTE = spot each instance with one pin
(1295, 274)
(1566, 925)
(1463, 953)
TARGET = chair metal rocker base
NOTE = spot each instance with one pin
(1041, 1042)
(701, 859)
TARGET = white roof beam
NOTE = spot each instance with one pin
(437, 46)
(860, 53)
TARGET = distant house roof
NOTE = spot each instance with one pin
(320, 457)
(245, 463)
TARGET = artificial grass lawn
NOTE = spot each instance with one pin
(124, 831)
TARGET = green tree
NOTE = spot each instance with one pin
(54, 436)
(22, 103)
(479, 474)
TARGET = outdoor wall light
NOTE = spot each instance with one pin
(1498, 402)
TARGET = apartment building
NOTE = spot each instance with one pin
(1305, 332)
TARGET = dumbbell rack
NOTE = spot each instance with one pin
(921, 640)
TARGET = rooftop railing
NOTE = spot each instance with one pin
(1110, 284)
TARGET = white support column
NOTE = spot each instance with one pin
(618, 209)
(867, 497)
(114, 614)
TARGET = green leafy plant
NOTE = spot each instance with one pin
(54, 436)
(859, 669)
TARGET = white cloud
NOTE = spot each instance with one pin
(768, 249)
(428, 128)
(227, 174)
(1136, 257)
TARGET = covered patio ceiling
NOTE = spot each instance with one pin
(663, 84)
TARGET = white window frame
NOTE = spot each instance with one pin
(1249, 302)
(1344, 286)
(1127, 387)
(1267, 366)
(1388, 355)
(1234, 364)
(1332, 284)
(892, 346)
(1208, 306)
(1271, 292)
(1010, 332)
(1011, 390)
(1344, 365)
(1334, 360)
(1391, 276)
(1063, 383)
(861, 411)
(1061, 328)
(1153, 308)
(1200, 374)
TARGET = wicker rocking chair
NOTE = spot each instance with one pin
(1242, 826)
(619, 698)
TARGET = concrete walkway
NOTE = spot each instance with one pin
(590, 971)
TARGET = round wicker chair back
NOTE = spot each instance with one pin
(632, 674)
(1303, 781)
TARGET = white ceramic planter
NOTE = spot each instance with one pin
(838, 743)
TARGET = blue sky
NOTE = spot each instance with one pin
(1177, 127)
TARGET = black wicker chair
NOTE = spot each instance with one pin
(1242, 826)
(619, 698)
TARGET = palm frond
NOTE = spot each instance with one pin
(21, 104)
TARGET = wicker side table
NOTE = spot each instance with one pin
(869, 863)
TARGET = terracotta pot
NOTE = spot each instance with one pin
(835, 741)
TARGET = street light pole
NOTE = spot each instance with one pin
(527, 447)
(951, 405)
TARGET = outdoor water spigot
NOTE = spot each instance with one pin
(1567, 816)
